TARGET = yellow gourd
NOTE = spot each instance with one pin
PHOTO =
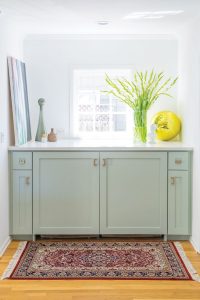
(168, 125)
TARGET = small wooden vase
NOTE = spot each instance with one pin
(52, 137)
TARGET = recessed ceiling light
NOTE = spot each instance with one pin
(103, 22)
(152, 14)
(153, 17)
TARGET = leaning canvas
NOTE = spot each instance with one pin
(19, 97)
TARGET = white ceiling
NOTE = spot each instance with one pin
(81, 16)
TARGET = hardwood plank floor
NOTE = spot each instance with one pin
(99, 289)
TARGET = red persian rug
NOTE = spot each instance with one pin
(99, 260)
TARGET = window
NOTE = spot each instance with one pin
(95, 114)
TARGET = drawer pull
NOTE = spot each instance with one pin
(22, 161)
(27, 180)
(173, 180)
(95, 162)
(103, 162)
(178, 161)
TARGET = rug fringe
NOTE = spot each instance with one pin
(14, 261)
(195, 276)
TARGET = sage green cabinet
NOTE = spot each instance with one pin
(108, 193)
(21, 204)
(66, 193)
(178, 203)
(133, 193)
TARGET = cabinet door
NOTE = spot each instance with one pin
(66, 193)
(21, 203)
(133, 194)
(178, 203)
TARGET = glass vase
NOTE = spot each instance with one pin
(140, 126)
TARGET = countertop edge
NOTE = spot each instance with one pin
(43, 149)
(101, 145)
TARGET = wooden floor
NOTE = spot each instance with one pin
(99, 289)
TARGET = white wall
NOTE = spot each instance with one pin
(189, 107)
(50, 61)
(10, 45)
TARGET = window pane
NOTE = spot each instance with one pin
(102, 108)
(86, 122)
(86, 98)
(85, 108)
(104, 99)
(119, 122)
(102, 122)
(118, 106)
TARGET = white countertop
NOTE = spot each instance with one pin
(100, 145)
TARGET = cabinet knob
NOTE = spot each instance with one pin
(178, 161)
(173, 180)
(22, 161)
(27, 180)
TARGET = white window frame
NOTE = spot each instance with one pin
(127, 135)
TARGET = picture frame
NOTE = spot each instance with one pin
(19, 99)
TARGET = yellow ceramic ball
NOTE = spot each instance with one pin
(168, 125)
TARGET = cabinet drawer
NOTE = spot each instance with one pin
(178, 161)
(22, 160)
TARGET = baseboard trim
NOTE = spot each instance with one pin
(5, 245)
(196, 248)
(178, 237)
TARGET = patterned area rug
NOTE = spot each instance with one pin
(98, 260)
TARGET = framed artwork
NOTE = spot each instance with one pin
(19, 97)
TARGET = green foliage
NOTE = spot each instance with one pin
(142, 91)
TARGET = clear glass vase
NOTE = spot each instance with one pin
(140, 126)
